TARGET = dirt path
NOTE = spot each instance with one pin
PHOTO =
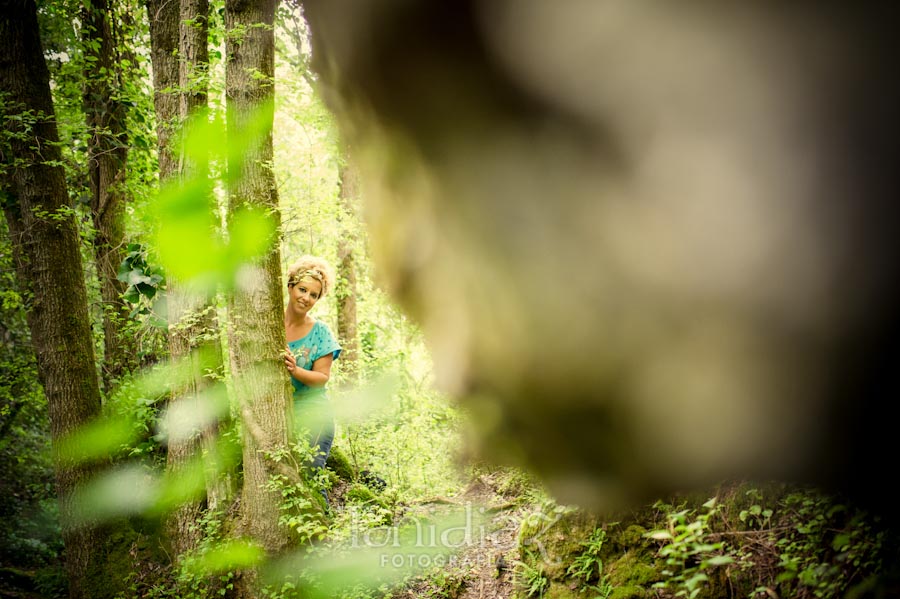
(482, 569)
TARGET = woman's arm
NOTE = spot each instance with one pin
(317, 376)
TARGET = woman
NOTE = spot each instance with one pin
(311, 350)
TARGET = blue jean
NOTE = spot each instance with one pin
(313, 413)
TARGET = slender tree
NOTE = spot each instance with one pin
(163, 16)
(346, 290)
(256, 308)
(196, 331)
(194, 52)
(181, 56)
(105, 111)
(35, 202)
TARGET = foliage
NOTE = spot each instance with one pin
(302, 508)
(828, 546)
(799, 543)
(689, 553)
(143, 280)
(588, 564)
(531, 580)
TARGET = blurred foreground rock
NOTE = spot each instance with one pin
(652, 244)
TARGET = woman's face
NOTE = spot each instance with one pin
(304, 294)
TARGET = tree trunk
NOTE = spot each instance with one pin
(107, 156)
(164, 31)
(180, 58)
(256, 311)
(346, 288)
(194, 52)
(49, 264)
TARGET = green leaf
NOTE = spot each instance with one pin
(840, 541)
(97, 439)
(252, 233)
(230, 555)
(136, 277)
(122, 491)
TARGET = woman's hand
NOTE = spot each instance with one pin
(290, 362)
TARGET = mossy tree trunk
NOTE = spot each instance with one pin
(199, 330)
(107, 161)
(256, 307)
(163, 16)
(180, 60)
(46, 242)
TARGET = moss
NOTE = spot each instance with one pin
(560, 591)
(629, 540)
(631, 570)
(631, 592)
(333, 479)
(339, 463)
(513, 483)
(108, 579)
(554, 535)
(632, 536)
(360, 493)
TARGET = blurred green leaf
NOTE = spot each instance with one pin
(840, 541)
(187, 239)
(228, 556)
(187, 416)
(191, 245)
(122, 491)
(98, 439)
(184, 484)
(252, 233)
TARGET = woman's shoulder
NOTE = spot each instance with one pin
(321, 325)
(322, 332)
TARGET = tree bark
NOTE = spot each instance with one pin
(50, 269)
(194, 51)
(107, 158)
(347, 288)
(164, 34)
(256, 311)
(180, 59)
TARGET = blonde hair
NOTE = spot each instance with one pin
(313, 267)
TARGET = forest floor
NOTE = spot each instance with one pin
(17, 583)
(483, 567)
